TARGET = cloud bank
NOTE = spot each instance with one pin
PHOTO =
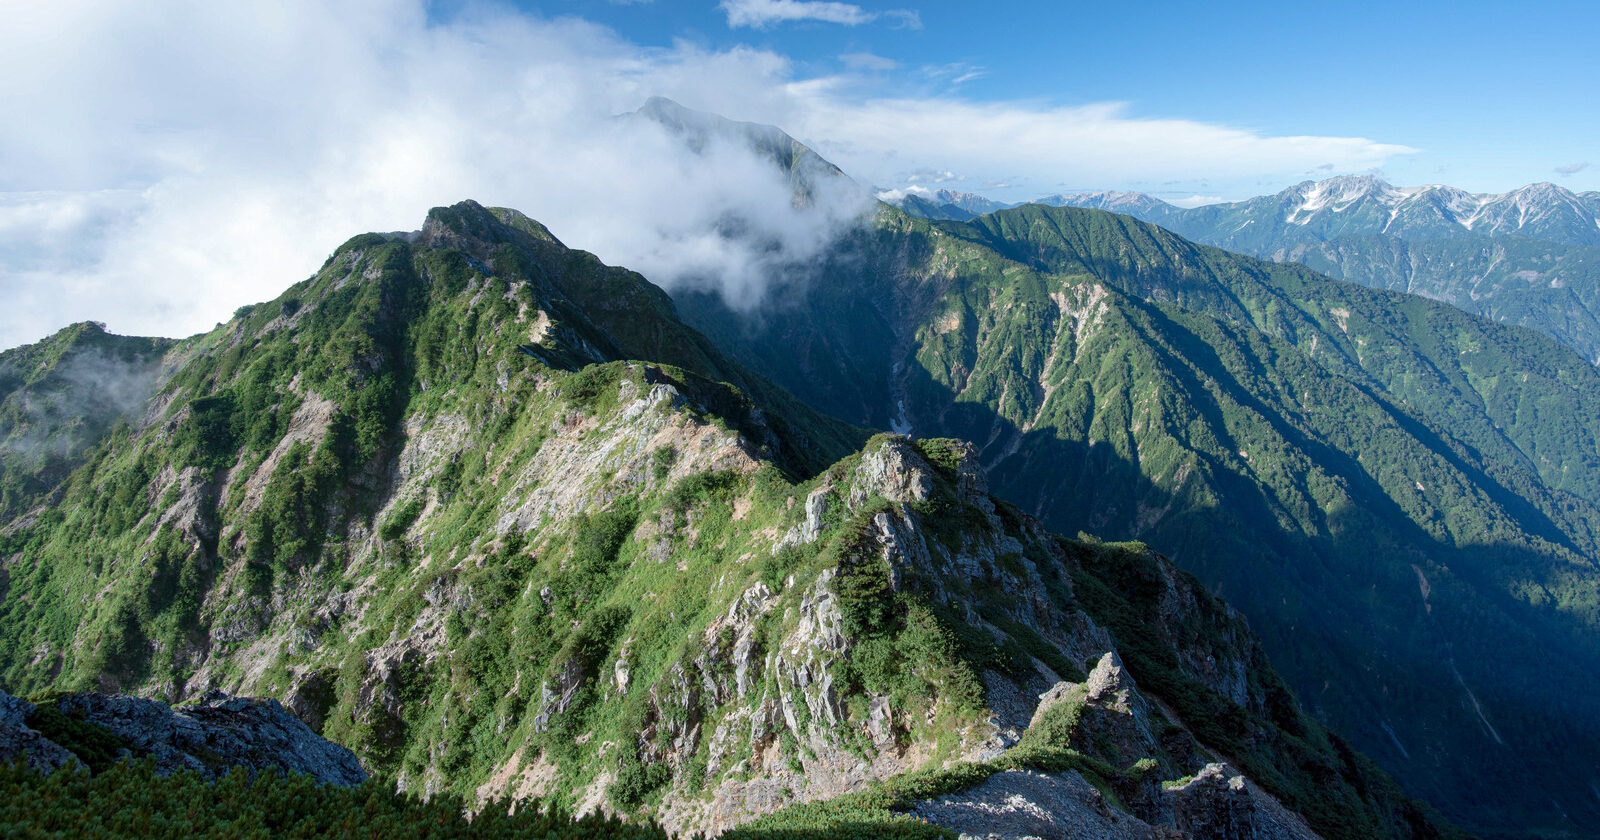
(1101, 143)
(168, 162)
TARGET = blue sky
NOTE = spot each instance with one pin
(166, 162)
(1494, 95)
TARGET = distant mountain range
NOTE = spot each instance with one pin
(1530, 256)
(1363, 205)
(942, 204)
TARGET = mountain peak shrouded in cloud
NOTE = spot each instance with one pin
(762, 239)
(808, 172)
(940, 204)
(212, 212)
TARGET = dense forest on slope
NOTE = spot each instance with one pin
(1400, 496)
(483, 510)
(130, 800)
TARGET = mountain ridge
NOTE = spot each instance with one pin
(420, 499)
(1368, 205)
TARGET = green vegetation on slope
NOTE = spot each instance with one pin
(1400, 495)
(1532, 263)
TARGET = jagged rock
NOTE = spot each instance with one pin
(894, 471)
(209, 737)
(1115, 714)
(554, 701)
(740, 624)
(811, 526)
(804, 664)
(1219, 804)
(621, 671)
(672, 721)
(17, 739)
(1022, 804)
(904, 549)
(880, 721)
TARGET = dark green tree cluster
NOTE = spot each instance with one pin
(128, 800)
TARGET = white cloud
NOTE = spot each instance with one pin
(763, 13)
(1571, 168)
(892, 196)
(868, 61)
(167, 162)
(1195, 200)
(904, 18)
(956, 72)
(893, 141)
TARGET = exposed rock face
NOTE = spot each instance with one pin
(16, 738)
(1024, 804)
(1217, 804)
(1220, 803)
(1115, 714)
(209, 737)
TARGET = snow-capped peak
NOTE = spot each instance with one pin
(1338, 194)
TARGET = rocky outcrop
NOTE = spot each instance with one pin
(209, 737)
(1115, 716)
(1024, 804)
(1112, 726)
(18, 739)
(1216, 804)
(1220, 803)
